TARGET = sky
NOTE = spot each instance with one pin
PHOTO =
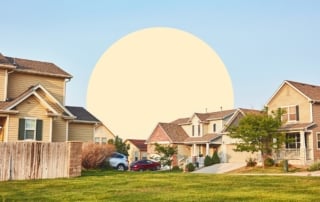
(262, 43)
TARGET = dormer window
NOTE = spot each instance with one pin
(291, 113)
(214, 127)
(199, 130)
(192, 130)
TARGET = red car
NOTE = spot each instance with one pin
(145, 165)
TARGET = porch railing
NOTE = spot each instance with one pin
(294, 154)
(197, 161)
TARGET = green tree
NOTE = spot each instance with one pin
(259, 132)
(121, 147)
(166, 153)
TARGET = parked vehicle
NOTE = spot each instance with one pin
(118, 161)
(143, 165)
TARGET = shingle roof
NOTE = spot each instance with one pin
(3, 60)
(297, 126)
(204, 139)
(181, 121)
(140, 144)
(214, 115)
(35, 67)
(311, 91)
(174, 131)
(82, 114)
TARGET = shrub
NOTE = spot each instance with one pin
(94, 155)
(215, 158)
(251, 162)
(268, 162)
(315, 166)
(208, 161)
(190, 167)
(176, 169)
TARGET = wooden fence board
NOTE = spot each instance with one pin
(38, 160)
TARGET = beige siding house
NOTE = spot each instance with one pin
(198, 136)
(301, 103)
(32, 104)
(137, 151)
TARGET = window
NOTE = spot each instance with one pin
(292, 141)
(214, 127)
(104, 140)
(30, 129)
(97, 140)
(318, 136)
(192, 130)
(198, 130)
(291, 113)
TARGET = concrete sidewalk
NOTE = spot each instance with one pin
(220, 168)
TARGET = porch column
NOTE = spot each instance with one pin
(207, 149)
(194, 150)
(303, 152)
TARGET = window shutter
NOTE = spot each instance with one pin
(297, 112)
(39, 130)
(21, 129)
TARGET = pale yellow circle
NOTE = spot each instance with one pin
(156, 75)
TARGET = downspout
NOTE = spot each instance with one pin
(65, 90)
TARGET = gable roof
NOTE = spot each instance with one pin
(174, 131)
(310, 92)
(140, 144)
(34, 67)
(82, 115)
(8, 106)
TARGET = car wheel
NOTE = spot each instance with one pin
(141, 170)
(120, 167)
(158, 168)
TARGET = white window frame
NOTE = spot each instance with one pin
(34, 129)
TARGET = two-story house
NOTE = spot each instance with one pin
(32, 104)
(198, 136)
(301, 103)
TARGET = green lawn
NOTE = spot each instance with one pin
(163, 186)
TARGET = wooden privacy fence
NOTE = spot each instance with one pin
(39, 160)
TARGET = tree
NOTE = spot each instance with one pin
(259, 132)
(121, 147)
(166, 153)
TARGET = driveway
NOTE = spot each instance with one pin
(220, 168)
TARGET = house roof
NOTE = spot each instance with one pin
(204, 139)
(34, 67)
(181, 121)
(311, 91)
(215, 115)
(296, 126)
(82, 114)
(140, 144)
(174, 131)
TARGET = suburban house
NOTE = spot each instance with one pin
(137, 151)
(102, 134)
(198, 136)
(32, 104)
(301, 103)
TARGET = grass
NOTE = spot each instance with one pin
(163, 186)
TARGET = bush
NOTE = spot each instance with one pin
(268, 162)
(315, 166)
(215, 158)
(176, 169)
(190, 167)
(94, 155)
(251, 162)
(208, 161)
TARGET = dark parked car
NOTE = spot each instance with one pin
(145, 165)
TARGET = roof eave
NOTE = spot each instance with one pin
(44, 73)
